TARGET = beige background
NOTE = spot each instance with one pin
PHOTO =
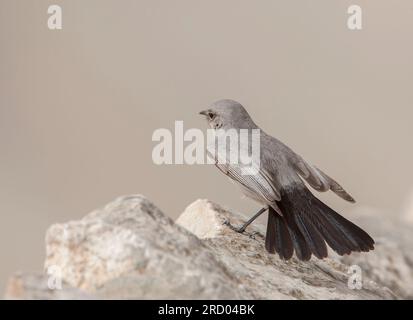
(78, 106)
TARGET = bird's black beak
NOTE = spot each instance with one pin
(204, 112)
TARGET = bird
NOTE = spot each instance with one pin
(297, 220)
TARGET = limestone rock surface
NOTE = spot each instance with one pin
(129, 249)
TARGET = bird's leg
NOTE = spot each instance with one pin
(246, 224)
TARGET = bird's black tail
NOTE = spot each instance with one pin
(307, 224)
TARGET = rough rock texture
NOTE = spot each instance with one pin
(35, 286)
(130, 249)
(391, 263)
(268, 276)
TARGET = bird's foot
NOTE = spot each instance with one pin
(236, 229)
(252, 235)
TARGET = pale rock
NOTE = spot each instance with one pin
(266, 275)
(37, 287)
(391, 262)
(130, 250)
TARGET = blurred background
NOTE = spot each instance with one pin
(78, 106)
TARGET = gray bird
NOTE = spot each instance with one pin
(297, 220)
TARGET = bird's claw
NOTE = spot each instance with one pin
(239, 229)
(252, 235)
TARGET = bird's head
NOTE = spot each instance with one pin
(228, 114)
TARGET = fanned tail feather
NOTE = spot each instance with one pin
(307, 224)
(278, 238)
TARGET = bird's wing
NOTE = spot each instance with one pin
(258, 183)
(318, 179)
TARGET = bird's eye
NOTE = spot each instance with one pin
(211, 115)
